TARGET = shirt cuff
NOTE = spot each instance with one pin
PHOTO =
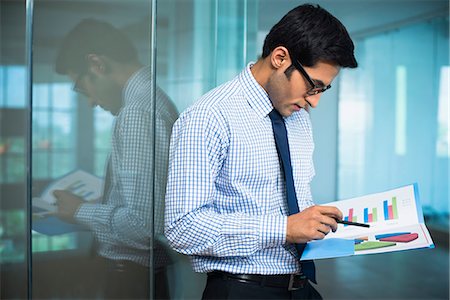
(88, 213)
(273, 231)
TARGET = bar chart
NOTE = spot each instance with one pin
(81, 189)
(390, 211)
(395, 217)
(369, 215)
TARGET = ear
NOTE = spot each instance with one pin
(97, 64)
(280, 58)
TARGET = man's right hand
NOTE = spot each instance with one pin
(67, 204)
(313, 223)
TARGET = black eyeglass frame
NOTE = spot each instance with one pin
(315, 88)
(77, 87)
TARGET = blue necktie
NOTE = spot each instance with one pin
(281, 141)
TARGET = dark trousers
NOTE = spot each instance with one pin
(128, 280)
(220, 288)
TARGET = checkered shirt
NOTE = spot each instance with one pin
(226, 198)
(122, 223)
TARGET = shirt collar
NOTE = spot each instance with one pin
(256, 96)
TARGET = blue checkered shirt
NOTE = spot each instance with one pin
(122, 222)
(226, 198)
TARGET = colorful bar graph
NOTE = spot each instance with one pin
(351, 217)
(390, 211)
(370, 215)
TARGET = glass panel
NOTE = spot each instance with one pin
(41, 165)
(92, 107)
(13, 142)
(15, 91)
(40, 96)
(201, 43)
(2, 84)
(62, 96)
(62, 129)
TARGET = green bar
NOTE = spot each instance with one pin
(374, 214)
(355, 219)
(394, 207)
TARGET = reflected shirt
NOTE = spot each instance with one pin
(226, 199)
(122, 223)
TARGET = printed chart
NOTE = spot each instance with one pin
(395, 218)
(80, 183)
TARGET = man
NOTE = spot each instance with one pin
(228, 192)
(104, 65)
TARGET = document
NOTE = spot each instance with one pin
(80, 183)
(396, 224)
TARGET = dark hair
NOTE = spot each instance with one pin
(312, 34)
(93, 37)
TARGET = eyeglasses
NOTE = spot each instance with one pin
(315, 88)
(77, 88)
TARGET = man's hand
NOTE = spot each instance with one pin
(313, 223)
(67, 204)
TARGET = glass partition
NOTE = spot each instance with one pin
(93, 129)
(200, 44)
(14, 129)
(93, 142)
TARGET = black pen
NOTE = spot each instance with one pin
(352, 223)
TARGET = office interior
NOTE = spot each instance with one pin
(380, 126)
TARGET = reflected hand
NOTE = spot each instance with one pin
(313, 223)
(67, 204)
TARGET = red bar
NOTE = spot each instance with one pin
(391, 213)
(350, 214)
(370, 218)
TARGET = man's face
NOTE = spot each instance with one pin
(99, 89)
(289, 95)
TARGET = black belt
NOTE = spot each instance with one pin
(289, 281)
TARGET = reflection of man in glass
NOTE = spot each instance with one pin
(104, 66)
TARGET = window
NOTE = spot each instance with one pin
(393, 115)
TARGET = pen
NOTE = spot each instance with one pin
(352, 223)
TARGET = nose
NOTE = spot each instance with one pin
(313, 101)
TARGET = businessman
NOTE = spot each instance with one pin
(238, 197)
(104, 66)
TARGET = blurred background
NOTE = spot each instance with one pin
(381, 126)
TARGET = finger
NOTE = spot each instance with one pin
(325, 229)
(319, 235)
(331, 211)
(329, 221)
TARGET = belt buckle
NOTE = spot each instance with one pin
(293, 279)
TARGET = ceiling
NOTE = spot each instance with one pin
(361, 17)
